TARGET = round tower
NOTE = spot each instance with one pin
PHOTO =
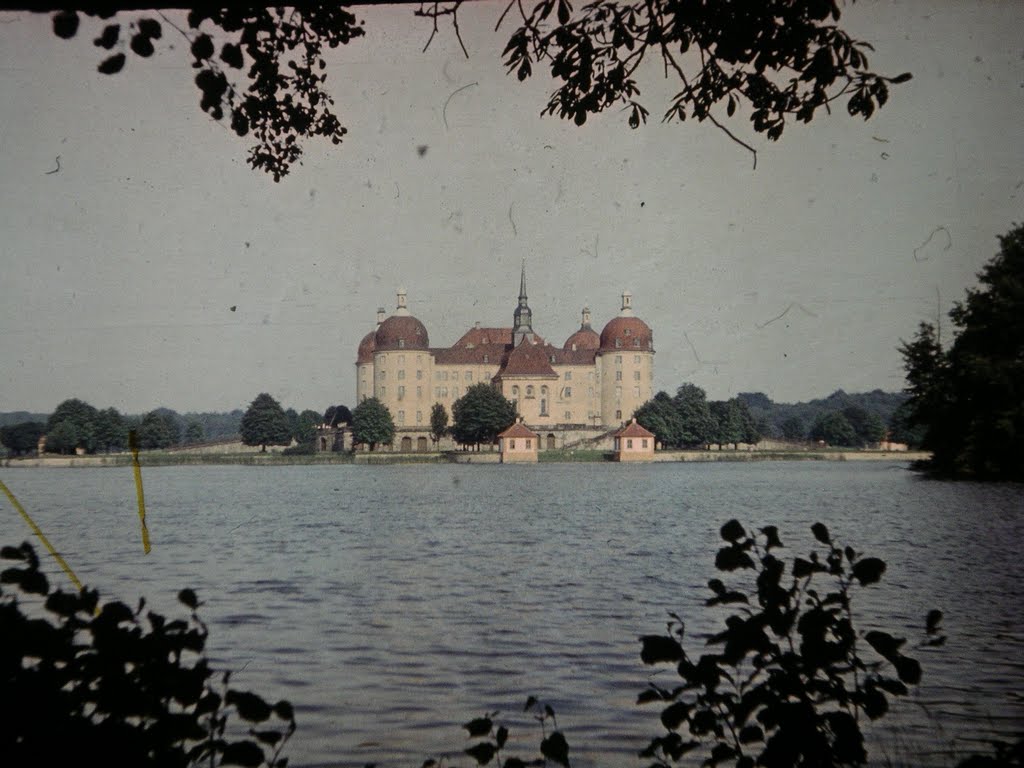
(626, 364)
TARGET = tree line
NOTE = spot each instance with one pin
(76, 425)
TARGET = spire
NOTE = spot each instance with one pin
(586, 318)
(522, 326)
(401, 309)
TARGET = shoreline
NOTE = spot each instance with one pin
(180, 458)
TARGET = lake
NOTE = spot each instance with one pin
(391, 604)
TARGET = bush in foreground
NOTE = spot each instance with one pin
(124, 687)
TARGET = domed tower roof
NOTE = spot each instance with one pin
(627, 331)
(401, 330)
(368, 344)
(585, 338)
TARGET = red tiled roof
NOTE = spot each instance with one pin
(401, 328)
(529, 360)
(585, 338)
(630, 332)
(366, 347)
(633, 430)
(483, 354)
(518, 430)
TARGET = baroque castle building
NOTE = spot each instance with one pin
(568, 394)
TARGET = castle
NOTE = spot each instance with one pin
(580, 391)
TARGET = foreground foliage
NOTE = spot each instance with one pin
(262, 70)
(789, 680)
(78, 678)
(969, 397)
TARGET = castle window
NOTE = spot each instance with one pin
(568, 415)
(618, 415)
(529, 391)
(552, 358)
(636, 375)
(455, 375)
(383, 390)
(636, 359)
(419, 392)
(643, 443)
(618, 359)
(419, 374)
(543, 407)
(543, 390)
(568, 375)
(628, 331)
(515, 391)
(401, 417)
(419, 417)
(468, 376)
(636, 343)
(382, 375)
(401, 393)
(511, 443)
(618, 394)
(618, 343)
(636, 391)
(618, 375)
(486, 358)
(401, 343)
(629, 442)
(529, 443)
(401, 374)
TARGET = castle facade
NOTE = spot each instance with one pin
(588, 386)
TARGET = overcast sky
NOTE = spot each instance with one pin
(120, 270)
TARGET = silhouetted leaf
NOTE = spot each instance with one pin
(886, 645)
(751, 733)
(480, 726)
(188, 598)
(908, 669)
(659, 648)
(245, 753)
(231, 55)
(530, 702)
(675, 715)
(869, 570)
(65, 24)
(142, 45)
(894, 687)
(875, 703)
(901, 78)
(802, 568)
(771, 534)
(250, 706)
(111, 65)
(202, 47)
(556, 748)
(732, 531)
(482, 752)
(821, 533)
(150, 28)
(501, 736)
(732, 557)
(283, 709)
(108, 38)
(932, 621)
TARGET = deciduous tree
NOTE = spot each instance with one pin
(265, 423)
(970, 398)
(72, 425)
(480, 415)
(372, 424)
(438, 422)
(22, 438)
(834, 429)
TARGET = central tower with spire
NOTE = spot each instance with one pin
(522, 326)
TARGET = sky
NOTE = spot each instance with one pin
(155, 268)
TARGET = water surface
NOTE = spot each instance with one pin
(390, 604)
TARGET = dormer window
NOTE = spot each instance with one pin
(401, 343)
(627, 332)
